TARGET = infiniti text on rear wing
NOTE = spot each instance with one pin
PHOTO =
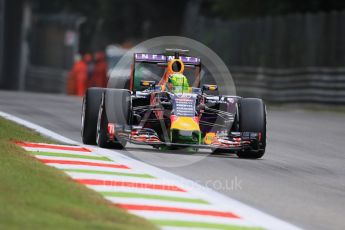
(160, 58)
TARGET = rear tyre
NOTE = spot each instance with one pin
(252, 118)
(91, 102)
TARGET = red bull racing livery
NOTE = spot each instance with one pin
(151, 112)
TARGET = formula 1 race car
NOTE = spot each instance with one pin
(147, 112)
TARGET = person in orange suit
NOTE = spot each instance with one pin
(99, 76)
(78, 77)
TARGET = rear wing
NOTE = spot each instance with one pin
(161, 58)
(164, 60)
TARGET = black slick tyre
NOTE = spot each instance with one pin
(115, 109)
(91, 102)
(252, 118)
(102, 129)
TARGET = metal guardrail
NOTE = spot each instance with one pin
(285, 41)
(44, 79)
(312, 85)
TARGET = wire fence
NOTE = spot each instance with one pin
(294, 85)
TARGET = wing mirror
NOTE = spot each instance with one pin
(207, 87)
(147, 84)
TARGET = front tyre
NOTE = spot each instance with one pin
(252, 118)
(102, 138)
(102, 129)
(115, 108)
(91, 103)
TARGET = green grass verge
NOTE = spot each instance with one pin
(35, 196)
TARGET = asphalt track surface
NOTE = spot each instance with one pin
(301, 178)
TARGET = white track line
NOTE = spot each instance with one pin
(248, 213)
(77, 175)
(172, 204)
(100, 188)
(95, 168)
(192, 218)
(85, 160)
(39, 129)
(32, 149)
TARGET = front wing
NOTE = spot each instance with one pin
(236, 141)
